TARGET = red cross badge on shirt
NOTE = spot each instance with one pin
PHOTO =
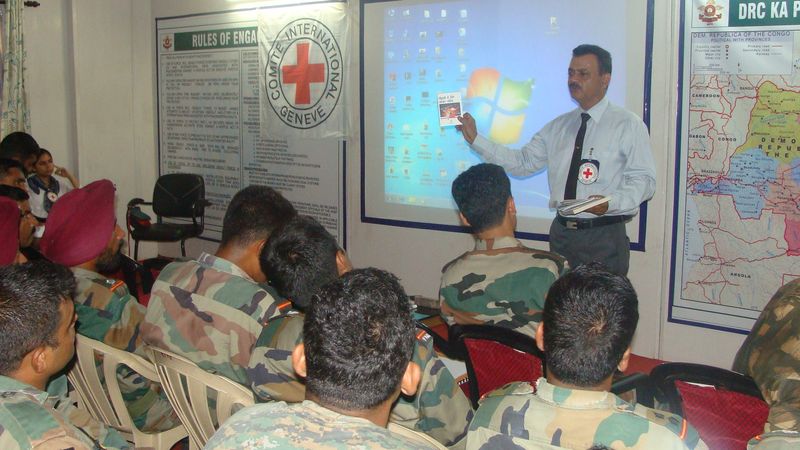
(303, 75)
(587, 173)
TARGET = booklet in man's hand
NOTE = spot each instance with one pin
(572, 207)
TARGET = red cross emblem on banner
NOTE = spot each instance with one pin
(303, 74)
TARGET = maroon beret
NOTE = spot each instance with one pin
(9, 230)
(80, 224)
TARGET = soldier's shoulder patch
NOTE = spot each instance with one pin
(673, 422)
(285, 308)
(118, 287)
(423, 336)
(515, 388)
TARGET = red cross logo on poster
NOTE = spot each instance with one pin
(304, 77)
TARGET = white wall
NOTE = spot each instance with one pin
(91, 72)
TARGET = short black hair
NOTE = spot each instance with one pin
(42, 151)
(18, 145)
(7, 164)
(14, 193)
(481, 194)
(299, 258)
(253, 214)
(359, 338)
(30, 297)
(603, 57)
(589, 319)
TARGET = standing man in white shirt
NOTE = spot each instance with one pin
(597, 149)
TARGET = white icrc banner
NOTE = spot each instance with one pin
(303, 53)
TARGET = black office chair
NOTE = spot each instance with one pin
(175, 196)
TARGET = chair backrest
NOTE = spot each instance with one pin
(496, 356)
(179, 195)
(102, 397)
(725, 407)
(202, 400)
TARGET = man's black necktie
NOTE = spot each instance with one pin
(572, 177)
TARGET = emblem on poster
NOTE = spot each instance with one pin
(304, 73)
(710, 12)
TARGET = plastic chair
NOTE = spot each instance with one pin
(496, 356)
(94, 397)
(725, 407)
(188, 388)
(175, 195)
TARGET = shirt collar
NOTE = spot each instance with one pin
(8, 384)
(333, 415)
(222, 265)
(574, 398)
(597, 110)
(497, 243)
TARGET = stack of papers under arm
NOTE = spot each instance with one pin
(572, 207)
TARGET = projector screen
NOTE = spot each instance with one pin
(508, 59)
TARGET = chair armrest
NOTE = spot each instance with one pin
(136, 202)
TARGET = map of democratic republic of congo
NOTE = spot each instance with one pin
(738, 224)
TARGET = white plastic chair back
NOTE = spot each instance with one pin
(191, 391)
(105, 403)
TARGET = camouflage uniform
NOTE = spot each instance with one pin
(439, 409)
(108, 313)
(500, 283)
(306, 425)
(30, 418)
(771, 355)
(775, 440)
(556, 417)
(211, 312)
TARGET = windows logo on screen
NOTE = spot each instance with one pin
(498, 104)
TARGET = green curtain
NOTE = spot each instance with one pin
(14, 114)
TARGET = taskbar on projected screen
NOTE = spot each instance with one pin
(431, 202)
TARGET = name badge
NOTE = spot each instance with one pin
(588, 171)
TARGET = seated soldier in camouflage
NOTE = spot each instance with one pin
(37, 317)
(586, 331)
(355, 361)
(298, 260)
(771, 356)
(501, 282)
(212, 310)
(82, 233)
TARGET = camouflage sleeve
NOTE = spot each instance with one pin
(439, 409)
(771, 356)
(124, 332)
(105, 436)
(779, 440)
(113, 320)
(270, 370)
(59, 400)
(784, 405)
